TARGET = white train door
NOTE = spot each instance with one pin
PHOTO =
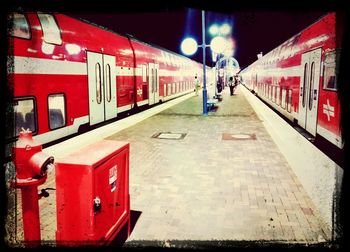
(309, 89)
(153, 84)
(102, 87)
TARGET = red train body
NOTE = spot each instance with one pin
(68, 73)
(298, 78)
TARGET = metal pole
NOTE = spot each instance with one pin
(205, 110)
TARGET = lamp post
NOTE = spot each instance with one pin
(189, 46)
(205, 107)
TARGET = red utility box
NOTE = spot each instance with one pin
(92, 194)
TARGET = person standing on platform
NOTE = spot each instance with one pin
(236, 82)
(231, 84)
(197, 84)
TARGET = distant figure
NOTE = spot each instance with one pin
(219, 85)
(197, 84)
(236, 82)
(231, 84)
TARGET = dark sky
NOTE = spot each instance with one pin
(254, 31)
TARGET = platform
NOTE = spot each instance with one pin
(223, 179)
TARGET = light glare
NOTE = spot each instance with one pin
(189, 46)
(218, 44)
(214, 29)
(225, 29)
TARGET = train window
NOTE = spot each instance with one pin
(108, 83)
(50, 28)
(271, 94)
(25, 115)
(169, 89)
(98, 83)
(329, 71)
(304, 85)
(57, 111)
(156, 80)
(20, 26)
(144, 73)
(275, 96)
(152, 89)
(284, 93)
(311, 86)
(289, 101)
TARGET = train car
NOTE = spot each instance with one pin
(68, 74)
(298, 78)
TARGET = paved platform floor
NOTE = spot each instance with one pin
(206, 188)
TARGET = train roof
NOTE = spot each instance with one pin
(130, 37)
(295, 35)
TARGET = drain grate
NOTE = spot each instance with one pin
(239, 136)
(169, 135)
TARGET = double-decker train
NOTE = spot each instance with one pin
(299, 78)
(68, 74)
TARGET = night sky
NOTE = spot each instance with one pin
(254, 31)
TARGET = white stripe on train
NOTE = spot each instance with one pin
(30, 65)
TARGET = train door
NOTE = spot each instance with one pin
(102, 87)
(309, 85)
(153, 90)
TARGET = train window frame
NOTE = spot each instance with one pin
(275, 96)
(311, 85)
(289, 99)
(156, 80)
(98, 87)
(35, 110)
(12, 30)
(284, 98)
(305, 80)
(168, 89)
(108, 83)
(144, 73)
(173, 88)
(333, 64)
(64, 114)
(57, 36)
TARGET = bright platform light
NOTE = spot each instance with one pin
(218, 44)
(189, 46)
(214, 29)
(225, 29)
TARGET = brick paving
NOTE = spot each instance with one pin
(205, 188)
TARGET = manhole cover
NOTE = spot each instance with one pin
(169, 135)
(239, 136)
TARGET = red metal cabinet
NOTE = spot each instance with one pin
(92, 193)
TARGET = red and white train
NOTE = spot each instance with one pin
(68, 73)
(298, 78)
